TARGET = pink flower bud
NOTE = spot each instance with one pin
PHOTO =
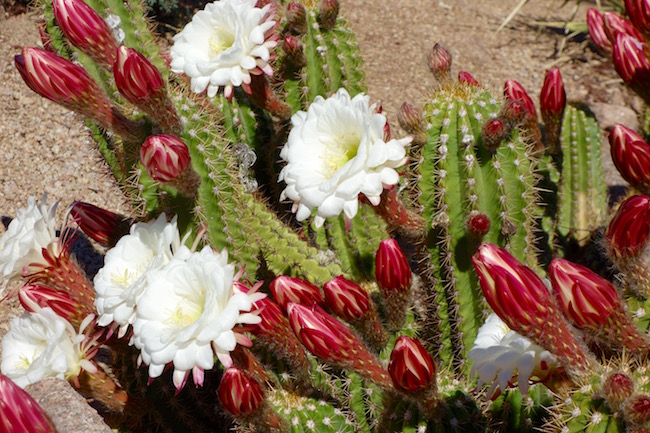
(46, 39)
(637, 410)
(616, 24)
(86, 30)
(520, 298)
(516, 92)
(411, 120)
(136, 78)
(273, 318)
(617, 388)
(19, 412)
(553, 97)
(287, 289)
(627, 233)
(631, 156)
(632, 64)
(596, 27)
(35, 296)
(346, 299)
(392, 269)
(478, 224)
(639, 13)
(411, 366)
(239, 394)
(467, 78)
(439, 61)
(99, 224)
(328, 12)
(512, 113)
(295, 52)
(61, 81)
(296, 16)
(493, 132)
(165, 157)
(586, 298)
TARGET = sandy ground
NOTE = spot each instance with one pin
(46, 149)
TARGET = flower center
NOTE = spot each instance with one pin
(339, 151)
(220, 41)
(185, 314)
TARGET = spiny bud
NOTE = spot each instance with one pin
(516, 92)
(346, 299)
(552, 101)
(295, 52)
(86, 30)
(617, 388)
(439, 62)
(411, 367)
(328, 12)
(467, 78)
(627, 233)
(596, 28)
(135, 77)
(493, 132)
(101, 225)
(616, 24)
(637, 410)
(286, 289)
(296, 16)
(631, 156)
(411, 120)
(19, 412)
(239, 394)
(165, 157)
(639, 13)
(512, 112)
(632, 64)
(478, 224)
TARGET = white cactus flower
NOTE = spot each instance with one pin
(224, 44)
(335, 151)
(502, 356)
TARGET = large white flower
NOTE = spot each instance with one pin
(187, 314)
(42, 344)
(224, 44)
(33, 229)
(122, 280)
(335, 151)
(501, 356)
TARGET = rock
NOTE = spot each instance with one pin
(609, 115)
(68, 410)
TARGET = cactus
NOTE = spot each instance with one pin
(478, 179)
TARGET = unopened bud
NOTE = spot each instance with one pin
(632, 64)
(239, 393)
(391, 267)
(631, 156)
(411, 120)
(512, 112)
(627, 233)
(19, 412)
(286, 289)
(439, 62)
(493, 132)
(294, 51)
(596, 28)
(467, 78)
(478, 225)
(346, 299)
(101, 225)
(616, 24)
(328, 13)
(296, 16)
(639, 13)
(637, 410)
(411, 367)
(165, 157)
(516, 92)
(552, 103)
(617, 388)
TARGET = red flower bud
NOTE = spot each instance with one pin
(596, 27)
(273, 318)
(238, 393)
(632, 64)
(165, 157)
(392, 269)
(86, 30)
(99, 224)
(478, 224)
(296, 16)
(631, 156)
(33, 296)
(553, 97)
(520, 298)
(439, 61)
(637, 410)
(627, 233)
(411, 120)
(411, 366)
(287, 289)
(346, 299)
(516, 92)
(19, 412)
(639, 13)
(467, 78)
(616, 24)
(617, 388)
(328, 12)
(295, 52)
(136, 78)
(46, 39)
(586, 298)
(493, 132)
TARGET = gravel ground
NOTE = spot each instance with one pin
(46, 149)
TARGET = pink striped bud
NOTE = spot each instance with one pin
(632, 64)
(328, 12)
(631, 156)
(516, 92)
(273, 318)
(616, 24)
(296, 16)
(165, 157)
(101, 225)
(639, 13)
(35, 296)
(346, 299)
(136, 78)
(627, 233)
(617, 388)
(19, 412)
(239, 394)
(439, 62)
(86, 30)
(552, 101)
(411, 367)
(493, 132)
(392, 269)
(467, 78)
(287, 289)
(596, 27)
(522, 300)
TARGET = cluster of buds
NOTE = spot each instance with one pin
(626, 41)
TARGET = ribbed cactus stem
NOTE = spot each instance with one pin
(400, 220)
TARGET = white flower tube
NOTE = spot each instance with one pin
(40, 345)
(122, 280)
(33, 229)
(335, 151)
(224, 44)
(501, 356)
(187, 313)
